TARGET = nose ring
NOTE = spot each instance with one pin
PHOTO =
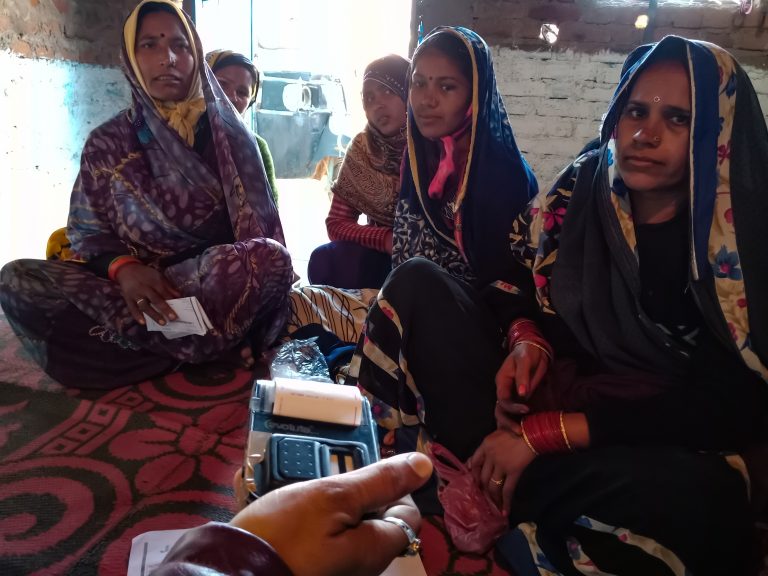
(656, 139)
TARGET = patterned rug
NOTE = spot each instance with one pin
(82, 472)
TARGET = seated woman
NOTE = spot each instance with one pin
(239, 78)
(369, 181)
(637, 345)
(171, 201)
(464, 179)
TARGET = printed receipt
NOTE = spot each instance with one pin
(192, 319)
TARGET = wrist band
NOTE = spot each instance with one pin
(414, 543)
(118, 263)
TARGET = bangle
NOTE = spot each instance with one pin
(524, 330)
(565, 436)
(544, 432)
(532, 343)
(528, 442)
(118, 263)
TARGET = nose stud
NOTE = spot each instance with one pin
(656, 139)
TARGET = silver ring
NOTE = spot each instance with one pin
(140, 301)
(414, 543)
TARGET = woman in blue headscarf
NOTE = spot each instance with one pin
(464, 179)
(623, 424)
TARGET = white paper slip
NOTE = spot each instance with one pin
(149, 549)
(191, 319)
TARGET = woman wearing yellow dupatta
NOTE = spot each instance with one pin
(171, 200)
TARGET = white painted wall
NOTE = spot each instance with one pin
(555, 101)
(47, 109)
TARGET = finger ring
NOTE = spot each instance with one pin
(497, 482)
(140, 301)
(414, 544)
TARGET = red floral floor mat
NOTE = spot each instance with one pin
(83, 472)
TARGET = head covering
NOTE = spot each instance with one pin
(369, 178)
(390, 71)
(223, 175)
(727, 207)
(495, 185)
(218, 59)
(182, 116)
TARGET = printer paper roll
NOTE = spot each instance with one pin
(318, 401)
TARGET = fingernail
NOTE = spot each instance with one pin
(520, 391)
(420, 464)
(161, 322)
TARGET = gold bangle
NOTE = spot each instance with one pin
(539, 346)
(525, 438)
(562, 430)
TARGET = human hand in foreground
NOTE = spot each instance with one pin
(146, 290)
(334, 525)
(497, 465)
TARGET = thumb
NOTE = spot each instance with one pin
(384, 482)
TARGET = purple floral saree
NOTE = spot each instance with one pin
(203, 215)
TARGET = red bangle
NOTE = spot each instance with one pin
(118, 263)
(544, 433)
(524, 330)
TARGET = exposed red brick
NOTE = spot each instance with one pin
(20, 47)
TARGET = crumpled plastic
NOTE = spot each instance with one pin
(473, 521)
(300, 360)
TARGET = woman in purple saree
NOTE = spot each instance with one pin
(171, 201)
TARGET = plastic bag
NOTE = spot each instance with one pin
(473, 521)
(301, 360)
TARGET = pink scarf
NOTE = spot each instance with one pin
(447, 166)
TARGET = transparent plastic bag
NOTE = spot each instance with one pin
(302, 360)
(473, 521)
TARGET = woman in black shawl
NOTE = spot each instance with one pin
(626, 431)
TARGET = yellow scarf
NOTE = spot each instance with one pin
(182, 116)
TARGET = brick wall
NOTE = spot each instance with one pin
(85, 31)
(555, 96)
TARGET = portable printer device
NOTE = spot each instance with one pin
(302, 429)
